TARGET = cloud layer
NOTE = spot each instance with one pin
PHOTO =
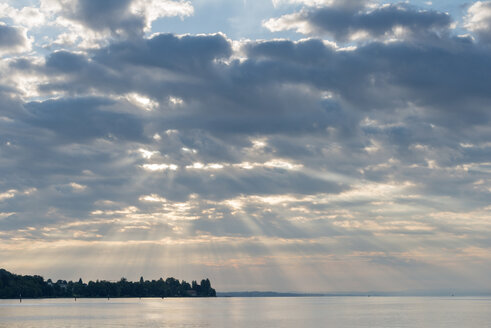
(345, 21)
(358, 157)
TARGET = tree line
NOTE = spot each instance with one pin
(15, 286)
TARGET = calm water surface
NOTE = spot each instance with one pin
(249, 312)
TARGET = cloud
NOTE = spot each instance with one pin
(348, 23)
(113, 16)
(13, 39)
(83, 118)
(124, 18)
(285, 154)
(185, 53)
(321, 3)
(26, 16)
(283, 88)
(360, 75)
(64, 61)
(478, 20)
(155, 9)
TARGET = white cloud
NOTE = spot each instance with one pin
(77, 187)
(276, 163)
(478, 19)
(14, 192)
(147, 154)
(209, 166)
(175, 101)
(6, 214)
(153, 198)
(187, 150)
(142, 101)
(8, 194)
(27, 16)
(305, 2)
(293, 21)
(259, 143)
(283, 164)
(155, 9)
(160, 167)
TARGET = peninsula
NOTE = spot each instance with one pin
(15, 286)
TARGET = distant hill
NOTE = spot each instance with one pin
(264, 294)
(15, 286)
(420, 293)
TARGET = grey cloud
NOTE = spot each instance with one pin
(82, 119)
(446, 75)
(309, 52)
(258, 182)
(342, 22)
(277, 92)
(11, 38)
(64, 61)
(264, 94)
(119, 19)
(109, 15)
(389, 143)
(188, 53)
(160, 66)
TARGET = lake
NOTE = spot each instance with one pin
(249, 312)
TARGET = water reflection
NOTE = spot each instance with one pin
(249, 312)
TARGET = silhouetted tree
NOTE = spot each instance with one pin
(11, 285)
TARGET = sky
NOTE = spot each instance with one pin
(284, 145)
